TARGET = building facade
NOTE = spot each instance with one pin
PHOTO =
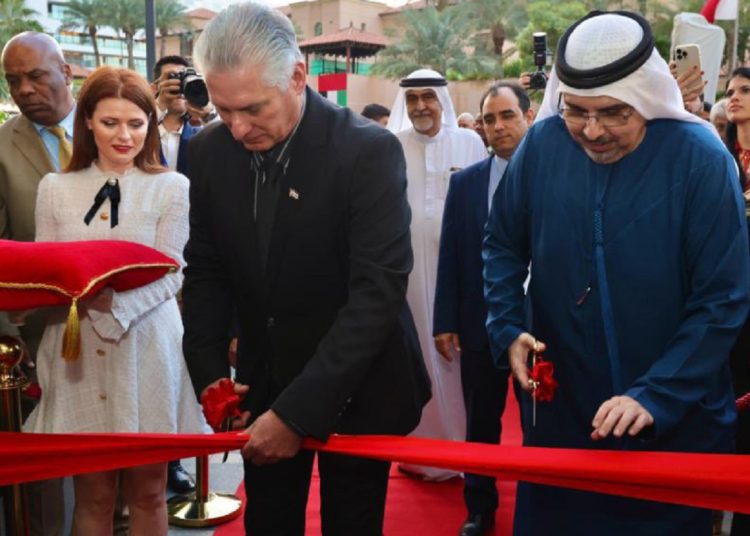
(77, 44)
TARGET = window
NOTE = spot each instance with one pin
(318, 28)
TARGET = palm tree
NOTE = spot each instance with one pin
(551, 17)
(89, 14)
(436, 40)
(127, 17)
(169, 14)
(504, 18)
(15, 18)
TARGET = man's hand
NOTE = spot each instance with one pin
(238, 423)
(525, 81)
(444, 342)
(271, 440)
(618, 415)
(169, 89)
(518, 356)
(200, 114)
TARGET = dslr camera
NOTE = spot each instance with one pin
(192, 86)
(539, 77)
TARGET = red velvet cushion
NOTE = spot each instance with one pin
(37, 274)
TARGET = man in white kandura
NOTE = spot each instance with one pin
(424, 121)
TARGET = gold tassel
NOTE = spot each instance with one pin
(72, 337)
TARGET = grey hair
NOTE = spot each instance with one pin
(249, 35)
(718, 109)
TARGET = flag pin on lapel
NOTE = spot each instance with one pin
(294, 194)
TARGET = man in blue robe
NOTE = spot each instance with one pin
(629, 211)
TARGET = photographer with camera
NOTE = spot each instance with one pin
(182, 98)
(536, 80)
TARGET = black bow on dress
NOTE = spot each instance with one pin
(111, 190)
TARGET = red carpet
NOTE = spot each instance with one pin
(416, 507)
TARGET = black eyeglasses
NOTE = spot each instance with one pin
(611, 117)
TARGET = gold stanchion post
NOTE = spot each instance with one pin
(11, 384)
(202, 508)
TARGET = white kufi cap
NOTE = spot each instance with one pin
(602, 40)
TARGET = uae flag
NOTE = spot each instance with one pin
(720, 10)
(333, 87)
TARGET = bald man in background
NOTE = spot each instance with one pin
(32, 144)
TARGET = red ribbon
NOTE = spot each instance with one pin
(743, 403)
(715, 481)
(220, 402)
(544, 383)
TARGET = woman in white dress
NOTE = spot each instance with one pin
(131, 375)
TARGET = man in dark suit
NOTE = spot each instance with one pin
(300, 223)
(460, 310)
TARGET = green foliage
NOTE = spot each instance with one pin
(743, 35)
(661, 18)
(554, 17)
(170, 14)
(87, 14)
(513, 68)
(551, 17)
(15, 18)
(436, 40)
(127, 17)
(503, 19)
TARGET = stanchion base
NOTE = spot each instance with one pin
(185, 511)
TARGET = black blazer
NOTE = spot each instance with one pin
(325, 337)
(459, 294)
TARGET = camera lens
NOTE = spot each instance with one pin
(195, 90)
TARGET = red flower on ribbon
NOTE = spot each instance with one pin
(33, 391)
(545, 384)
(220, 403)
(743, 403)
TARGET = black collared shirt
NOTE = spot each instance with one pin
(269, 166)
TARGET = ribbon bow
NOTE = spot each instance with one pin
(220, 404)
(545, 384)
(111, 190)
(743, 403)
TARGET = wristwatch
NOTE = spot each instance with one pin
(210, 116)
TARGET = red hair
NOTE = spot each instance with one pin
(113, 83)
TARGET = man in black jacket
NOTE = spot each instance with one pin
(300, 223)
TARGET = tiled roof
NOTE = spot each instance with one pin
(347, 35)
(201, 13)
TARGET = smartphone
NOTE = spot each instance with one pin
(686, 57)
